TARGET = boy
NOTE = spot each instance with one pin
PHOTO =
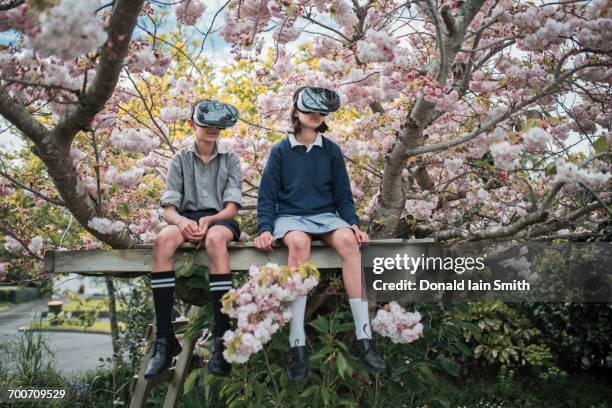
(202, 196)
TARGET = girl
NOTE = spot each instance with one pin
(304, 185)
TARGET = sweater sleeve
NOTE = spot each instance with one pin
(343, 196)
(268, 192)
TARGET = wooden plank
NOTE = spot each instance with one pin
(137, 261)
(142, 388)
(175, 389)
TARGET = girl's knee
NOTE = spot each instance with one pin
(297, 242)
(346, 241)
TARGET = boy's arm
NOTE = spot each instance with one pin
(233, 188)
(268, 192)
(173, 194)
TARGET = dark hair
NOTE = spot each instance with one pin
(295, 121)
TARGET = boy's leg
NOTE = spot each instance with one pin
(298, 243)
(216, 241)
(162, 285)
(344, 242)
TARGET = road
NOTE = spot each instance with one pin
(74, 352)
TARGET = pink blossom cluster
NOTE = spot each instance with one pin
(174, 113)
(506, 156)
(125, 179)
(6, 189)
(188, 12)
(261, 306)
(105, 226)
(536, 139)
(377, 46)
(68, 30)
(133, 140)
(36, 245)
(395, 322)
(12, 245)
(571, 174)
(421, 209)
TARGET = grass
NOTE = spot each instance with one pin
(89, 304)
(103, 326)
(5, 306)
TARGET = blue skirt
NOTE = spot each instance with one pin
(311, 224)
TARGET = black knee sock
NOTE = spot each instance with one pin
(162, 284)
(219, 285)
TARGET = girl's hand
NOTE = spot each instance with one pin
(264, 241)
(361, 236)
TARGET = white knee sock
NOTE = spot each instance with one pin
(297, 336)
(359, 308)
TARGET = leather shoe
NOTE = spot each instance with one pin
(297, 368)
(164, 349)
(217, 365)
(365, 351)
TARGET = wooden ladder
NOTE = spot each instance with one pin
(175, 376)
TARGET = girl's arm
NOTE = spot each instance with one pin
(343, 196)
(268, 191)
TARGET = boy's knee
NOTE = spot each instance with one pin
(215, 241)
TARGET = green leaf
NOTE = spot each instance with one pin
(601, 145)
(341, 364)
(424, 368)
(448, 365)
(309, 391)
(191, 378)
(211, 379)
(442, 401)
(325, 396)
(186, 269)
(321, 324)
(463, 348)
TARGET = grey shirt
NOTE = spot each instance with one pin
(193, 185)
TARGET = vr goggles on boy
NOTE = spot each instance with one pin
(215, 114)
(321, 100)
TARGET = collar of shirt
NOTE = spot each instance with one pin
(218, 149)
(294, 142)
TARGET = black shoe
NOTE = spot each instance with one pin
(164, 349)
(217, 365)
(365, 351)
(297, 368)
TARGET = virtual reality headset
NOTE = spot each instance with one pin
(215, 114)
(321, 100)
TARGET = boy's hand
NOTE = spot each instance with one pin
(361, 236)
(204, 223)
(190, 230)
(264, 241)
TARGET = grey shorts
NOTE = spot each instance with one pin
(311, 224)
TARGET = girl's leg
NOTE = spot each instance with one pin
(298, 243)
(216, 241)
(344, 242)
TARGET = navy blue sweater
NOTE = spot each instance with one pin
(296, 182)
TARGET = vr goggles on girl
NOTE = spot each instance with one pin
(321, 100)
(215, 114)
